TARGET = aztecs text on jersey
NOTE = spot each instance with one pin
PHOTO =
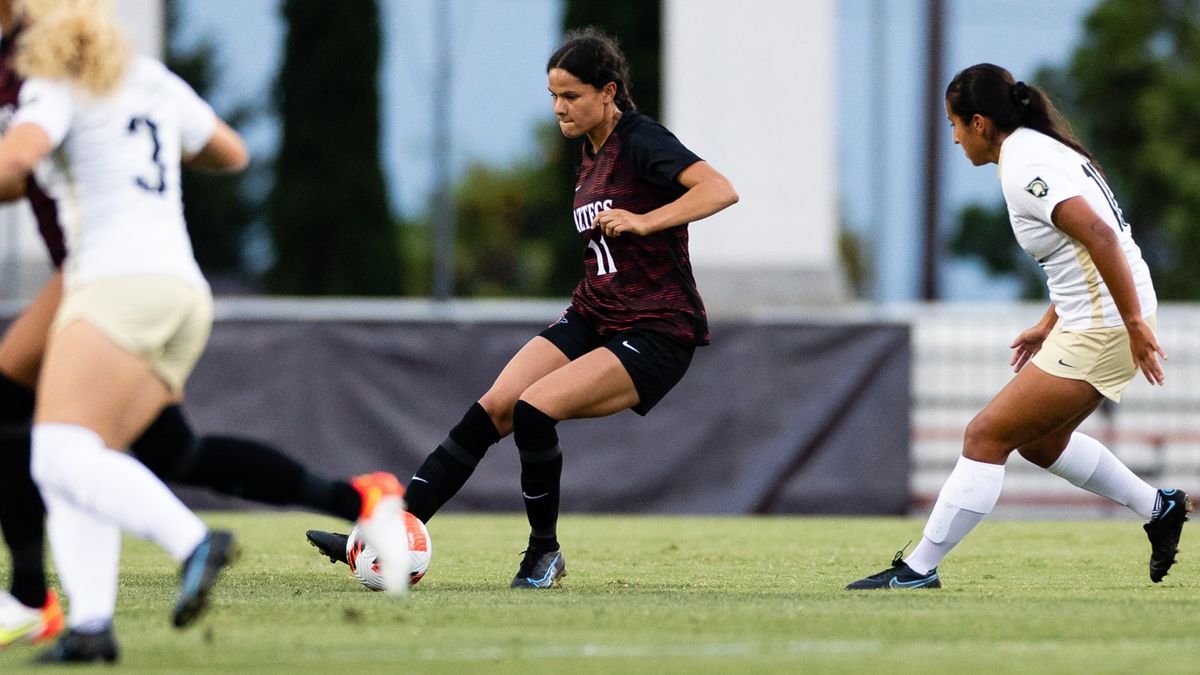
(633, 280)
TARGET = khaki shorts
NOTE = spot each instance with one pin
(160, 318)
(1099, 356)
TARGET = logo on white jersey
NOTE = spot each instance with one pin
(1038, 188)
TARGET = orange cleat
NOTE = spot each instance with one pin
(384, 528)
(19, 623)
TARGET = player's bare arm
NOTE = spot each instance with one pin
(708, 191)
(225, 152)
(1029, 342)
(1077, 219)
(20, 150)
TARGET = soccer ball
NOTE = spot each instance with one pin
(361, 556)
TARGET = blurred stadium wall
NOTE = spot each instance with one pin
(751, 87)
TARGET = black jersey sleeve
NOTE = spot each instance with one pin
(658, 156)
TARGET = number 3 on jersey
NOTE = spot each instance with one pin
(157, 185)
(604, 260)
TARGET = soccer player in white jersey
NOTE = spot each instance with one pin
(1095, 337)
(105, 133)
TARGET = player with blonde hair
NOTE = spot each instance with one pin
(236, 466)
(135, 312)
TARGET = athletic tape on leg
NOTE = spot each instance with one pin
(972, 486)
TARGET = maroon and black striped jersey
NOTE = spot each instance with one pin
(633, 280)
(45, 210)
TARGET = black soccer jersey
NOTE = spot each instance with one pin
(45, 210)
(632, 280)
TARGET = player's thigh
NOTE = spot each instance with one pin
(24, 343)
(89, 380)
(1032, 405)
(594, 385)
(533, 362)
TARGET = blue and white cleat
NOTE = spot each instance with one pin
(200, 573)
(899, 575)
(540, 569)
(1163, 530)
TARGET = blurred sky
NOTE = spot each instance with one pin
(498, 98)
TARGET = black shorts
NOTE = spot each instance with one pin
(655, 361)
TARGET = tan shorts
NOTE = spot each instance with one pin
(160, 318)
(1099, 356)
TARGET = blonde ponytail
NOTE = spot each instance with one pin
(75, 40)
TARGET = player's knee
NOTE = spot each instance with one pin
(166, 445)
(1044, 451)
(499, 407)
(534, 431)
(16, 401)
(982, 442)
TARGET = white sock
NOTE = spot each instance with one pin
(87, 555)
(967, 496)
(71, 463)
(1086, 463)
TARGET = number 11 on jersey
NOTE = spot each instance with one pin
(604, 260)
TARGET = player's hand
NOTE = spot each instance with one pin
(615, 222)
(1028, 343)
(1146, 351)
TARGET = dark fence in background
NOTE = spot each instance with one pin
(772, 418)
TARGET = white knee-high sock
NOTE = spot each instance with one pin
(87, 555)
(1086, 463)
(967, 496)
(71, 462)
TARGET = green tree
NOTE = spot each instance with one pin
(1133, 86)
(1132, 92)
(216, 206)
(328, 211)
(511, 235)
(637, 26)
(984, 232)
(515, 235)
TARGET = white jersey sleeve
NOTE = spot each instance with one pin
(47, 104)
(1037, 187)
(197, 121)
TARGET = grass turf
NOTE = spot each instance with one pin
(676, 594)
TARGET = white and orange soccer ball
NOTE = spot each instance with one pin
(361, 556)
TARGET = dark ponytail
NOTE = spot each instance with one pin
(595, 58)
(991, 91)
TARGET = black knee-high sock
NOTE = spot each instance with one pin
(238, 467)
(541, 472)
(21, 510)
(448, 467)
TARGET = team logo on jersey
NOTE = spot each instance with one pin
(1038, 188)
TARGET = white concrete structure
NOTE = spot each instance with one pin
(751, 87)
(22, 254)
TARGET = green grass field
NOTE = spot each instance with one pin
(655, 594)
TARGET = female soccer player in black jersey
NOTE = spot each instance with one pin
(634, 320)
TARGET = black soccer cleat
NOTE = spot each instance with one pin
(899, 575)
(1163, 531)
(330, 544)
(540, 569)
(200, 573)
(77, 647)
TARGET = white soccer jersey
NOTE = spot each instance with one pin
(1037, 173)
(114, 172)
